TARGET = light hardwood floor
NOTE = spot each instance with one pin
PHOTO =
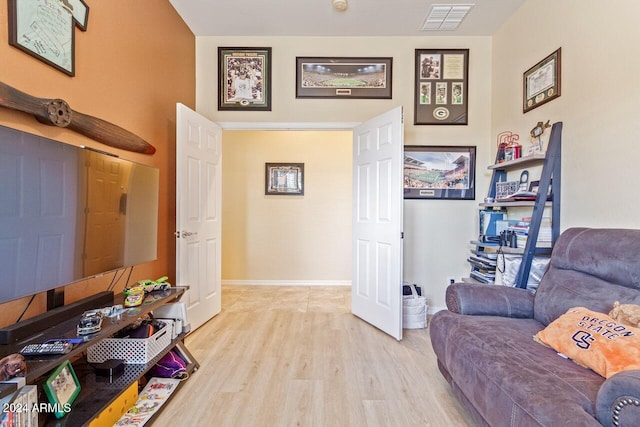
(296, 356)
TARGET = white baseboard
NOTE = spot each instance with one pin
(287, 282)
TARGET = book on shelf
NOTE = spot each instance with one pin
(521, 229)
(482, 262)
(19, 405)
(482, 277)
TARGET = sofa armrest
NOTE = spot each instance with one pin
(489, 300)
(618, 401)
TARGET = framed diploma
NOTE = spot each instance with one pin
(441, 87)
(45, 29)
(541, 83)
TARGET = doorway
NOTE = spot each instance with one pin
(305, 239)
(376, 216)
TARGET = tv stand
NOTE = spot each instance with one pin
(96, 396)
(31, 326)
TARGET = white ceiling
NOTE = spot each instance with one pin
(318, 18)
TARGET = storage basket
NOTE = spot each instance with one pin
(131, 350)
(414, 310)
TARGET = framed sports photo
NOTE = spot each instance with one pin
(337, 77)
(439, 172)
(244, 78)
(441, 87)
(62, 387)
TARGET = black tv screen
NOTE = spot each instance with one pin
(68, 213)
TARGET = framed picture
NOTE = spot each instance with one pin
(324, 77)
(62, 387)
(284, 179)
(439, 172)
(441, 87)
(244, 78)
(534, 186)
(46, 30)
(541, 83)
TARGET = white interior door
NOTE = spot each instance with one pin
(198, 210)
(377, 222)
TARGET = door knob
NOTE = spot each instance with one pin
(185, 233)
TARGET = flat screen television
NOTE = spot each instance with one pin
(69, 213)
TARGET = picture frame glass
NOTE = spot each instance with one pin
(439, 172)
(244, 78)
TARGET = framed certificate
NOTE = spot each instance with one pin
(46, 29)
(541, 83)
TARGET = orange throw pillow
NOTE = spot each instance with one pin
(593, 340)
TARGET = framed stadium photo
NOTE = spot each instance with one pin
(326, 77)
(439, 172)
(244, 78)
(441, 87)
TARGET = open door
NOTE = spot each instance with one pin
(376, 294)
(198, 211)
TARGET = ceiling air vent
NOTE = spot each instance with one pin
(446, 17)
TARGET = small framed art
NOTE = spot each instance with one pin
(62, 387)
(441, 87)
(46, 30)
(244, 78)
(284, 179)
(439, 172)
(328, 77)
(541, 83)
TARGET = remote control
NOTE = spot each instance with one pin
(48, 348)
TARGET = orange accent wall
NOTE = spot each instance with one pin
(134, 62)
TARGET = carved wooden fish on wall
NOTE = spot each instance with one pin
(57, 112)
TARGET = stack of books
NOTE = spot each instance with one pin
(483, 265)
(521, 229)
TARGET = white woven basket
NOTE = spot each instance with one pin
(131, 350)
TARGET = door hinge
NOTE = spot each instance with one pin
(402, 234)
(177, 234)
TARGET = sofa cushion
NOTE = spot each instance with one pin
(505, 375)
(589, 268)
(594, 340)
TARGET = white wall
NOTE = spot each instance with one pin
(437, 233)
(598, 104)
